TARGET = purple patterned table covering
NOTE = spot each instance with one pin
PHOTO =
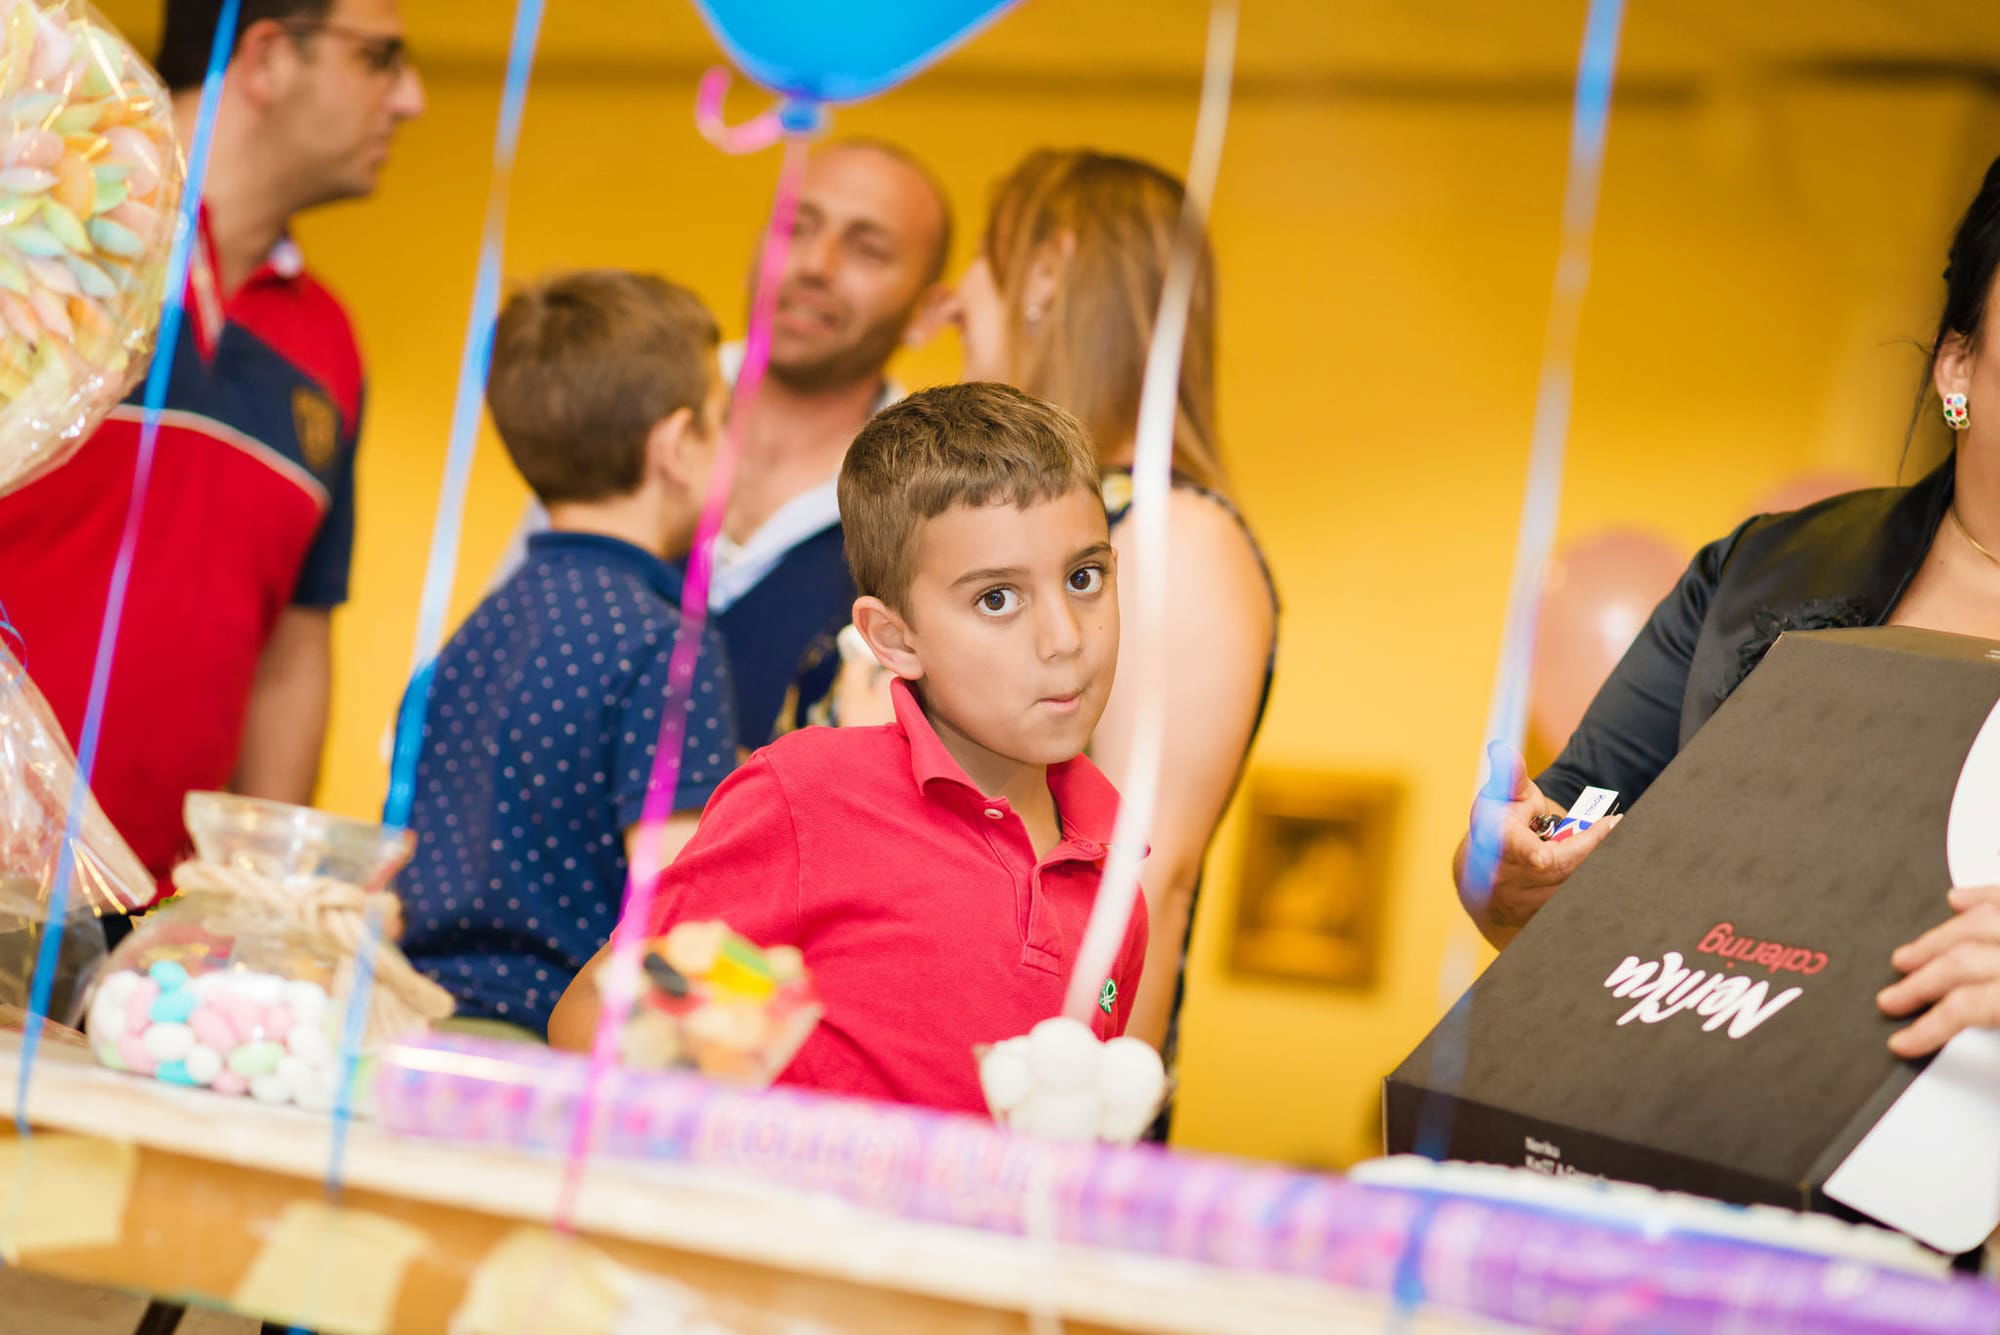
(1511, 1262)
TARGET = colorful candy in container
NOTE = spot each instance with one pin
(714, 1002)
(90, 188)
(1059, 1082)
(240, 983)
(37, 784)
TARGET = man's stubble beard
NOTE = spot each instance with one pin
(865, 359)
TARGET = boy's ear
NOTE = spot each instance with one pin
(676, 449)
(888, 637)
(1952, 372)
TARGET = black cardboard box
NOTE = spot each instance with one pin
(1695, 1008)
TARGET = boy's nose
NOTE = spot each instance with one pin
(1057, 627)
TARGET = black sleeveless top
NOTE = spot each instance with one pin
(1117, 484)
(1845, 561)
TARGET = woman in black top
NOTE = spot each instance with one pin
(1925, 555)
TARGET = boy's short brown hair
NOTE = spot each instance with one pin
(973, 444)
(585, 364)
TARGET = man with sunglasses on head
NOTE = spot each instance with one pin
(222, 672)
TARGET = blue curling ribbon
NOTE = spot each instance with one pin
(443, 564)
(473, 362)
(186, 237)
(1507, 714)
(13, 632)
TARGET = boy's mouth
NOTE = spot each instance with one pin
(1062, 704)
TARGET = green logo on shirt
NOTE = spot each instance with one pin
(1107, 996)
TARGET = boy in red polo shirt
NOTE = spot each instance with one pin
(936, 872)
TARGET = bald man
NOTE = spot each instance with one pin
(863, 277)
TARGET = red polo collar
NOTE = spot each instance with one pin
(1085, 799)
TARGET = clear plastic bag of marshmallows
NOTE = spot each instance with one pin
(38, 773)
(241, 982)
(90, 191)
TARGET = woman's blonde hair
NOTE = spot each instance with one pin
(1110, 223)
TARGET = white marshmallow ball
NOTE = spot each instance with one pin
(1129, 1072)
(107, 1014)
(168, 1042)
(116, 989)
(269, 1087)
(203, 1063)
(306, 1001)
(1123, 1124)
(1062, 1054)
(1058, 1115)
(309, 1045)
(1004, 1076)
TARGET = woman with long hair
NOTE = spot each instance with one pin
(1061, 303)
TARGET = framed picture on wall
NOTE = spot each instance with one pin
(1315, 871)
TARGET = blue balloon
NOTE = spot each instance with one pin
(841, 50)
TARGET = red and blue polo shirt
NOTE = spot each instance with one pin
(250, 510)
(924, 916)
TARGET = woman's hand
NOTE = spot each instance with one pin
(1529, 868)
(1954, 969)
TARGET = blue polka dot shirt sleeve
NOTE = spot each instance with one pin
(708, 747)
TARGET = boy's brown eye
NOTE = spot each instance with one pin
(998, 601)
(1088, 579)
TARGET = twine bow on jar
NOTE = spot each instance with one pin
(330, 918)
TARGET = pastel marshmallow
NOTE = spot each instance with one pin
(168, 1042)
(296, 1073)
(277, 1021)
(139, 1005)
(117, 986)
(252, 1060)
(269, 1088)
(169, 974)
(107, 1016)
(136, 1055)
(314, 1096)
(213, 1028)
(246, 1017)
(203, 1064)
(174, 1006)
(228, 1082)
(307, 1042)
(307, 1001)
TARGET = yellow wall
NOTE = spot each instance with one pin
(1385, 247)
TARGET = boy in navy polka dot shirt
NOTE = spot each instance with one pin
(545, 713)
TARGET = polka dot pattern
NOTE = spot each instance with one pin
(544, 720)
